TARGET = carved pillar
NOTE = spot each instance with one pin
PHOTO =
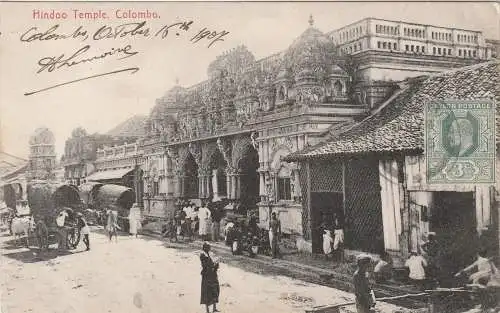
(229, 184)
(214, 181)
(233, 186)
(201, 194)
(237, 179)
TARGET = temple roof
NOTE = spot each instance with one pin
(398, 127)
(42, 135)
(132, 127)
(312, 50)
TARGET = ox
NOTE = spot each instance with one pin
(23, 226)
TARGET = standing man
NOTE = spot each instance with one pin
(84, 230)
(112, 224)
(216, 217)
(274, 233)
(431, 249)
(210, 288)
(134, 219)
(364, 295)
(204, 216)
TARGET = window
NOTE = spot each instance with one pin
(406, 47)
(439, 50)
(412, 48)
(423, 49)
(384, 45)
(389, 45)
(378, 44)
(156, 188)
(395, 45)
(284, 188)
(449, 51)
(470, 53)
(474, 53)
(433, 50)
(417, 48)
(459, 52)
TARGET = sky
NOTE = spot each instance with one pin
(101, 103)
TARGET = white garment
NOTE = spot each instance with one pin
(228, 226)
(483, 264)
(204, 217)
(416, 264)
(85, 230)
(484, 270)
(61, 218)
(134, 219)
(338, 239)
(380, 265)
(188, 210)
(327, 242)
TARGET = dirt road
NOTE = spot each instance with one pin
(142, 275)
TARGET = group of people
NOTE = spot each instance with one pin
(68, 214)
(134, 221)
(425, 265)
(190, 220)
(333, 244)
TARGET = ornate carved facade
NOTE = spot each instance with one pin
(221, 139)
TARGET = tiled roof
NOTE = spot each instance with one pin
(399, 125)
(9, 162)
(133, 127)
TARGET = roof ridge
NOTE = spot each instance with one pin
(11, 155)
(464, 68)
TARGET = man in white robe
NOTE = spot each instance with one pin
(204, 216)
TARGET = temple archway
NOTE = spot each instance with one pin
(218, 182)
(248, 189)
(190, 178)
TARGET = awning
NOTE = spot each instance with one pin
(110, 174)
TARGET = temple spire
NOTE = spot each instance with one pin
(311, 20)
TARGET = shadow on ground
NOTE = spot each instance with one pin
(34, 256)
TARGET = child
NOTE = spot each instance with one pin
(327, 243)
(365, 300)
(416, 263)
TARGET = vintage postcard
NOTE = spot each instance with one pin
(249, 157)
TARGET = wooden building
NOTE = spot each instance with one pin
(374, 172)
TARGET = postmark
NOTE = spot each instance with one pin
(460, 141)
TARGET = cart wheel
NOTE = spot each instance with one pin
(73, 237)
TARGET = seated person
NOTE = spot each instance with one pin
(417, 264)
(481, 268)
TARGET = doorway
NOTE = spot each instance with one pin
(453, 219)
(323, 207)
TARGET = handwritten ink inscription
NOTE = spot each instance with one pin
(127, 31)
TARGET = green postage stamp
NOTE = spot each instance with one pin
(460, 141)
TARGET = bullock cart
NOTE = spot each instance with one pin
(54, 207)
